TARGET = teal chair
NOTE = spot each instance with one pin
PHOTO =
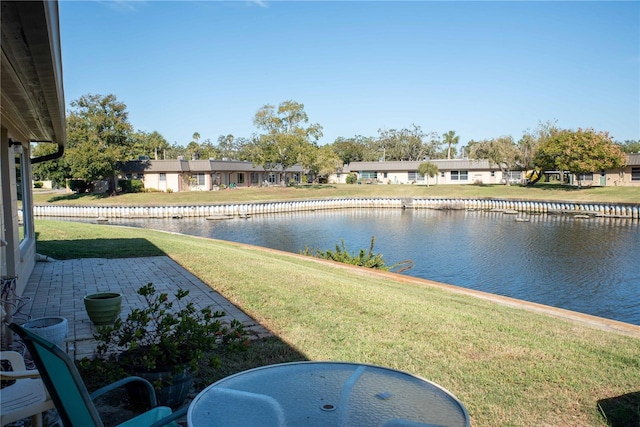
(70, 396)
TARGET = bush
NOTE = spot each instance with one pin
(37, 184)
(132, 186)
(79, 185)
(352, 178)
(169, 190)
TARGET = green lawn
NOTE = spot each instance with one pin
(510, 367)
(303, 192)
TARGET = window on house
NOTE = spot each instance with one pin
(635, 174)
(459, 175)
(586, 177)
(197, 178)
(442, 174)
(254, 178)
(515, 175)
(272, 178)
(415, 176)
(493, 173)
(240, 178)
(23, 194)
(296, 178)
(369, 175)
(163, 177)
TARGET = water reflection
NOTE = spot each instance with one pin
(590, 266)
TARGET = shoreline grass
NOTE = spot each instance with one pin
(508, 366)
(549, 192)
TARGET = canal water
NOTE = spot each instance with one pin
(586, 265)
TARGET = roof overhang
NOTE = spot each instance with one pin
(33, 105)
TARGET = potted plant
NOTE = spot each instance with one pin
(166, 341)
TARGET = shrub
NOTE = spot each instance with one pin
(37, 184)
(79, 185)
(132, 186)
(352, 178)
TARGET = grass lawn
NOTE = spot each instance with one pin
(305, 192)
(509, 367)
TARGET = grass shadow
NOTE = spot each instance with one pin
(77, 196)
(97, 248)
(621, 411)
(313, 186)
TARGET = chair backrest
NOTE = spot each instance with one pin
(62, 379)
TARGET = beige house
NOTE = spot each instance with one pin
(33, 110)
(456, 171)
(204, 175)
(466, 171)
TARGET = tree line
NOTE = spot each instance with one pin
(100, 137)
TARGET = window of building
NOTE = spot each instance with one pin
(163, 177)
(23, 193)
(493, 173)
(296, 177)
(459, 175)
(254, 178)
(415, 176)
(442, 174)
(240, 178)
(635, 174)
(272, 178)
(515, 175)
(585, 177)
(369, 175)
(197, 179)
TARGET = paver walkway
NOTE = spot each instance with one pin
(57, 289)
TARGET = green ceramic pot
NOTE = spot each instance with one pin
(103, 308)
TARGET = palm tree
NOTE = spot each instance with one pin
(450, 138)
(428, 169)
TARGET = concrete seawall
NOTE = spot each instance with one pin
(590, 209)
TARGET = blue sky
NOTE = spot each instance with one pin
(482, 69)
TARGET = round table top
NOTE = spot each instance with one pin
(325, 394)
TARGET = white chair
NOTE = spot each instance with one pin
(27, 397)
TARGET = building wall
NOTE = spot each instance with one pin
(18, 244)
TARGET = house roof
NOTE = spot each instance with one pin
(194, 166)
(634, 159)
(31, 78)
(453, 164)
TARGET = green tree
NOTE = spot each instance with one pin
(351, 149)
(630, 146)
(450, 139)
(285, 136)
(99, 136)
(226, 147)
(428, 169)
(499, 151)
(406, 144)
(56, 170)
(320, 162)
(528, 146)
(579, 152)
(148, 144)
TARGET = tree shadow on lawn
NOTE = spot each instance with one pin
(97, 248)
(621, 411)
(77, 196)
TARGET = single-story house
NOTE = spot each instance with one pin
(467, 171)
(204, 175)
(454, 171)
(33, 110)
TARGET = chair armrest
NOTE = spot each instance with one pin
(150, 390)
(17, 375)
(166, 420)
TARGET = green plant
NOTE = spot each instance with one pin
(37, 184)
(364, 258)
(168, 334)
(352, 178)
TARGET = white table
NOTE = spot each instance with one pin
(325, 394)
